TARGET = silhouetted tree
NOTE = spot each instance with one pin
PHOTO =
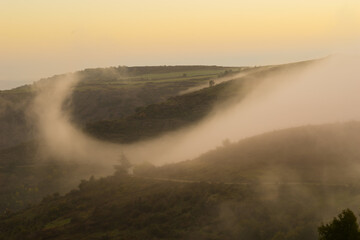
(211, 83)
(344, 227)
(125, 165)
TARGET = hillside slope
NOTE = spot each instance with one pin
(102, 93)
(183, 110)
(293, 178)
(20, 168)
(122, 207)
(312, 154)
(110, 95)
(27, 176)
(170, 115)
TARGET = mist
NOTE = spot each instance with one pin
(292, 178)
(58, 137)
(324, 92)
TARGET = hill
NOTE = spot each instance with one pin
(104, 97)
(121, 207)
(27, 175)
(293, 179)
(23, 169)
(117, 92)
(102, 93)
(309, 154)
(172, 114)
(183, 110)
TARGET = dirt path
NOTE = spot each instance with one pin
(247, 183)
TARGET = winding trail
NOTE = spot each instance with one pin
(246, 183)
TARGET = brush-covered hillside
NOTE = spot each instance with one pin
(169, 115)
(324, 154)
(104, 98)
(27, 175)
(279, 185)
(185, 109)
(103, 93)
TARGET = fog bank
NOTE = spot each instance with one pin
(325, 92)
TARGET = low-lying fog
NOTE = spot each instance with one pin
(324, 92)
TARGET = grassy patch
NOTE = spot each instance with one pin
(57, 223)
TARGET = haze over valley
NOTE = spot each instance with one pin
(179, 120)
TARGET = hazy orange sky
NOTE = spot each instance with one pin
(41, 38)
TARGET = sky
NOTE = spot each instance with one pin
(40, 38)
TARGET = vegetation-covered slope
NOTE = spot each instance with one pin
(311, 154)
(183, 110)
(24, 170)
(103, 93)
(123, 207)
(174, 113)
(278, 185)
(26, 177)
(117, 92)
(14, 127)
(110, 95)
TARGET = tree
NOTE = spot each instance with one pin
(211, 83)
(125, 165)
(344, 227)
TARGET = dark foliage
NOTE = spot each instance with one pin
(122, 207)
(344, 227)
